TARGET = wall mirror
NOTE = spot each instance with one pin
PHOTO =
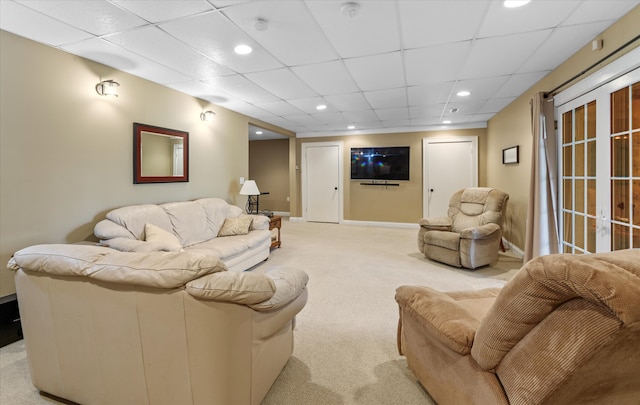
(160, 155)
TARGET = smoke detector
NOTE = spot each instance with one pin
(454, 110)
(349, 10)
(260, 24)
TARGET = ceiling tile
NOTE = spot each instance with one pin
(387, 98)
(96, 17)
(518, 84)
(164, 10)
(238, 86)
(435, 64)
(373, 30)
(495, 105)
(535, 16)
(481, 89)
(377, 72)
(331, 118)
(303, 119)
(282, 83)
(360, 116)
(327, 78)
(280, 107)
(561, 44)
(33, 25)
(600, 10)
(201, 90)
(501, 55)
(308, 105)
(426, 111)
(348, 102)
(159, 46)
(386, 114)
(429, 93)
(308, 45)
(215, 36)
(114, 56)
(427, 23)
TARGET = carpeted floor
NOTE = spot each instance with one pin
(345, 339)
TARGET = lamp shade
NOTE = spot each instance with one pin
(249, 188)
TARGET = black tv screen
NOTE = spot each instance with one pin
(386, 163)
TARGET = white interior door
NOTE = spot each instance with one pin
(322, 186)
(449, 164)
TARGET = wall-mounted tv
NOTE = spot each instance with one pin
(384, 163)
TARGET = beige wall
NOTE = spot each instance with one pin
(269, 167)
(389, 204)
(66, 153)
(512, 126)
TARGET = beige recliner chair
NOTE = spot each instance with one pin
(470, 235)
(564, 330)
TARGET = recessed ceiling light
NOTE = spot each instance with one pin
(351, 127)
(258, 132)
(242, 49)
(321, 107)
(515, 3)
(463, 93)
(446, 122)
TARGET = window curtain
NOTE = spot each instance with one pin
(542, 225)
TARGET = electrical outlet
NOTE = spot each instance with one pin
(241, 180)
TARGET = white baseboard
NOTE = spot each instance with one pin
(282, 213)
(516, 250)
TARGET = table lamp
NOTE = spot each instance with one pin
(250, 189)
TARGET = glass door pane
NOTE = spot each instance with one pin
(579, 162)
(625, 167)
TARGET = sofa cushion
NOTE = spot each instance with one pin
(241, 288)
(189, 222)
(216, 210)
(236, 226)
(164, 240)
(151, 269)
(135, 217)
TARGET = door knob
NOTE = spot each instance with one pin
(431, 190)
(335, 188)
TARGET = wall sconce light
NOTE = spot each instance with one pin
(107, 88)
(208, 116)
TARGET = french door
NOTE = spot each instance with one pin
(599, 136)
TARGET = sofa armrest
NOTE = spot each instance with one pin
(290, 283)
(261, 292)
(481, 232)
(259, 222)
(241, 288)
(439, 315)
(436, 223)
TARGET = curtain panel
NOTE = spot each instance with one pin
(542, 224)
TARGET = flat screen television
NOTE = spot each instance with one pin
(385, 163)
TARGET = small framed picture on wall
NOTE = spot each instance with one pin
(511, 155)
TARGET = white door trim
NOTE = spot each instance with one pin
(304, 180)
(425, 179)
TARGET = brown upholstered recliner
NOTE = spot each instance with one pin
(564, 330)
(470, 235)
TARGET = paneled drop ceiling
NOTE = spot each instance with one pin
(379, 66)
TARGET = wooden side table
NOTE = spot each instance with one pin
(275, 222)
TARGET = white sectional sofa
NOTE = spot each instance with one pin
(194, 226)
(107, 327)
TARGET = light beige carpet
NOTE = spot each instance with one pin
(345, 339)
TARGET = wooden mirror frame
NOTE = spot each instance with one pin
(138, 178)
